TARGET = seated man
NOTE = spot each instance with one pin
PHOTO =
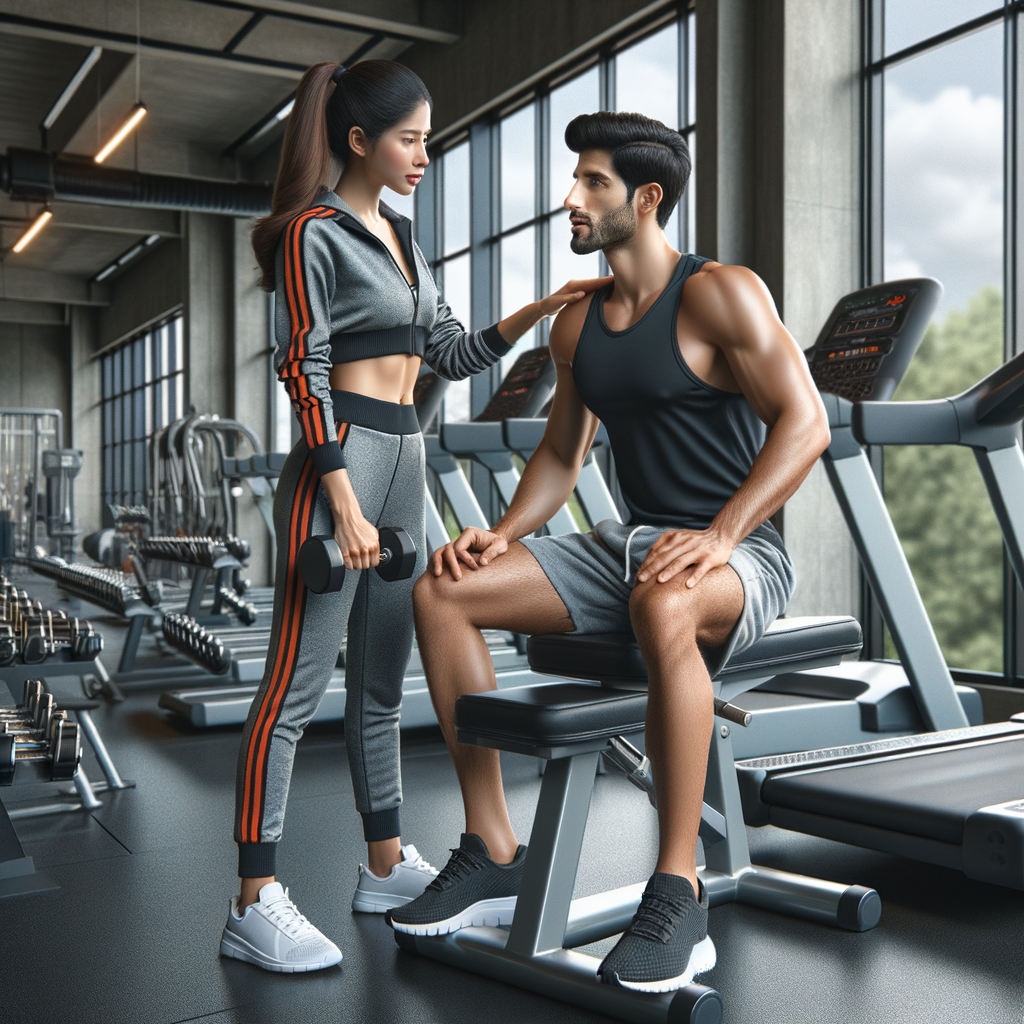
(689, 367)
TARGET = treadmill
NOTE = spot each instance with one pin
(953, 796)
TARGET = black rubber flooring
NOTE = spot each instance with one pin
(132, 934)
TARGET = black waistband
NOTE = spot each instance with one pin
(347, 347)
(372, 413)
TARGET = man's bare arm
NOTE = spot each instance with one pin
(733, 309)
(553, 469)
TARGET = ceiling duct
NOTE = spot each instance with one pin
(38, 176)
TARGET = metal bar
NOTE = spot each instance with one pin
(940, 39)
(131, 643)
(114, 780)
(593, 492)
(195, 597)
(1003, 473)
(545, 895)
(893, 585)
(84, 787)
(722, 793)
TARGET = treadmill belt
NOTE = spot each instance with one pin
(927, 794)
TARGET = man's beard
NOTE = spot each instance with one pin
(610, 231)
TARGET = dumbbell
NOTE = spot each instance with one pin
(59, 743)
(323, 569)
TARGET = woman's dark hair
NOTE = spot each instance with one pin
(643, 150)
(373, 95)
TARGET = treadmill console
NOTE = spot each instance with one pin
(525, 389)
(868, 341)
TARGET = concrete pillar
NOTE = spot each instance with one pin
(86, 431)
(207, 255)
(251, 385)
(778, 190)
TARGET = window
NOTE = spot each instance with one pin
(499, 234)
(143, 390)
(937, 155)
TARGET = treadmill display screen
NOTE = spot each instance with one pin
(862, 334)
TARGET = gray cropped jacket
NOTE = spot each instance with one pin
(340, 296)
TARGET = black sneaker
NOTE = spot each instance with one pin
(471, 890)
(667, 941)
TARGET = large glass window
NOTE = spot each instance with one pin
(143, 390)
(938, 169)
(522, 251)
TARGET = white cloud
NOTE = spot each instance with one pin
(944, 189)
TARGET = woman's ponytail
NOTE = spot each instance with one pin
(305, 165)
(373, 95)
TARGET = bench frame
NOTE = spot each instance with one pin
(538, 952)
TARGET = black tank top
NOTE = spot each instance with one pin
(682, 447)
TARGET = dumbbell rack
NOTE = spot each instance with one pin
(203, 554)
(111, 590)
(240, 651)
(37, 732)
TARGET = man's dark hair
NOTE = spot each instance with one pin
(643, 150)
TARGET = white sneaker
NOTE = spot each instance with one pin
(408, 878)
(273, 935)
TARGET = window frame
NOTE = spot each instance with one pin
(875, 62)
(484, 139)
(126, 433)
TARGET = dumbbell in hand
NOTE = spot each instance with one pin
(323, 569)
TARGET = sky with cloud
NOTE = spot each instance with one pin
(943, 190)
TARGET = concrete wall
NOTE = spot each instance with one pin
(777, 179)
(144, 292)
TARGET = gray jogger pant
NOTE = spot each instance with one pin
(387, 475)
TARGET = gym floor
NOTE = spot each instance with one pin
(132, 934)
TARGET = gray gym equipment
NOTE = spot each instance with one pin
(60, 467)
(953, 797)
(568, 725)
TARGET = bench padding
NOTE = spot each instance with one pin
(616, 658)
(549, 716)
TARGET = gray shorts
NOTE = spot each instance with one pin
(594, 576)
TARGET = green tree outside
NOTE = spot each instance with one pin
(937, 500)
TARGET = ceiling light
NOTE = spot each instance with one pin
(103, 274)
(72, 87)
(137, 115)
(37, 226)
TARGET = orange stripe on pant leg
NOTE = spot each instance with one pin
(305, 526)
(291, 625)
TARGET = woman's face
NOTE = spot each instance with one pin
(398, 158)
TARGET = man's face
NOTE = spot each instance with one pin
(601, 215)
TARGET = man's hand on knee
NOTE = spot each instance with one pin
(472, 549)
(676, 551)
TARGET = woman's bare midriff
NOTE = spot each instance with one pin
(386, 378)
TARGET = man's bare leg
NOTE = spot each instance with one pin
(670, 620)
(511, 593)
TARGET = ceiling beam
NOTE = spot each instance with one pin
(114, 220)
(282, 110)
(37, 28)
(314, 14)
(13, 311)
(26, 285)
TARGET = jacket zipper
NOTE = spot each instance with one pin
(413, 289)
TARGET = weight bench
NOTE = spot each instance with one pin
(568, 724)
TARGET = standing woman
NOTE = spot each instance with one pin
(357, 311)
